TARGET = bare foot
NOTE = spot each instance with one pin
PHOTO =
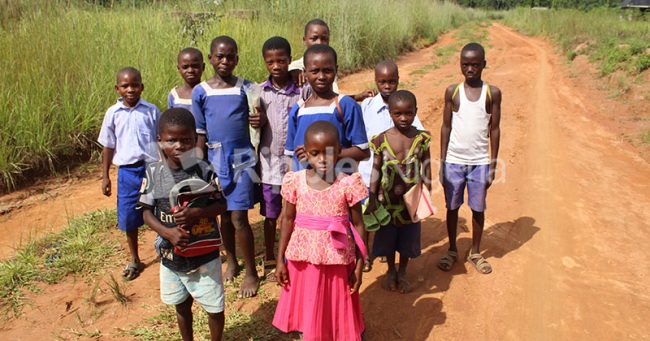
(402, 284)
(390, 283)
(232, 271)
(249, 286)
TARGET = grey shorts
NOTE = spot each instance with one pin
(456, 176)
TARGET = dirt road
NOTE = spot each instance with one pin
(567, 222)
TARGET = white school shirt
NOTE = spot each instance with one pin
(132, 132)
(377, 119)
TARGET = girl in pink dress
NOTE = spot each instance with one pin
(322, 242)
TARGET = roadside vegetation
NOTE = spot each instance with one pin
(608, 40)
(59, 59)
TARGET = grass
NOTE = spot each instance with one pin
(84, 248)
(611, 42)
(55, 91)
(646, 137)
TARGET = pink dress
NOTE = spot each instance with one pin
(317, 300)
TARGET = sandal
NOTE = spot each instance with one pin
(132, 271)
(370, 222)
(269, 270)
(479, 263)
(448, 260)
(367, 266)
(382, 215)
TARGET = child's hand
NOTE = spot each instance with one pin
(106, 187)
(491, 174)
(298, 77)
(441, 174)
(258, 120)
(281, 274)
(300, 153)
(363, 95)
(355, 277)
(185, 216)
(177, 236)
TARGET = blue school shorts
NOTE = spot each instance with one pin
(404, 239)
(204, 285)
(456, 176)
(129, 181)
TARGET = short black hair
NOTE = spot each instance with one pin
(277, 43)
(128, 70)
(322, 127)
(223, 40)
(388, 64)
(319, 48)
(315, 22)
(191, 51)
(402, 96)
(473, 47)
(180, 117)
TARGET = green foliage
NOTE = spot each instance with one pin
(84, 247)
(612, 43)
(506, 4)
(59, 60)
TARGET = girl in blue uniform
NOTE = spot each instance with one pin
(221, 111)
(191, 67)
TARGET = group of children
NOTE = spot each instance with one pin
(321, 159)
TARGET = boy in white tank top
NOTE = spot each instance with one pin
(469, 147)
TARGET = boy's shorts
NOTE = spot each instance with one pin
(129, 181)
(454, 180)
(271, 204)
(204, 285)
(404, 239)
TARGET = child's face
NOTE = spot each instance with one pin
(322, 151)
(191, 67)
(403, 114)
(472, 64)
(176, 143)
(277, 63)
(387, 81)
(316, 34)
(224, 59)
(130, 87)
(320, 70)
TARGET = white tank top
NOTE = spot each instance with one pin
(468, 141)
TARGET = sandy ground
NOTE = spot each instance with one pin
(567, 221)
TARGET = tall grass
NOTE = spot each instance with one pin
(610, 41)
(58, 65)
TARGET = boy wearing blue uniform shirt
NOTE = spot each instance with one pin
(326, 105)
(181, 199)
(128, 136)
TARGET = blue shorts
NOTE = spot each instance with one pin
(204, 285)
(404, 239)
(129, 181)
(456, 176)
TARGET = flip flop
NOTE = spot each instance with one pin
(132, 271)
(370, 222)
(480, 264)
(448, 260)
(382, 215)
(367, 266)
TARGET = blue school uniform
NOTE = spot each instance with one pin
(175, 101)
(222, 116)
(352, 131)
(132, 133)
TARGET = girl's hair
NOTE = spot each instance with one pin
(315, 22)
(223, 40)
(322, 127)
(179, 117)
(277, 43)
(191, 51)
(402, 96)
(320, 48)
